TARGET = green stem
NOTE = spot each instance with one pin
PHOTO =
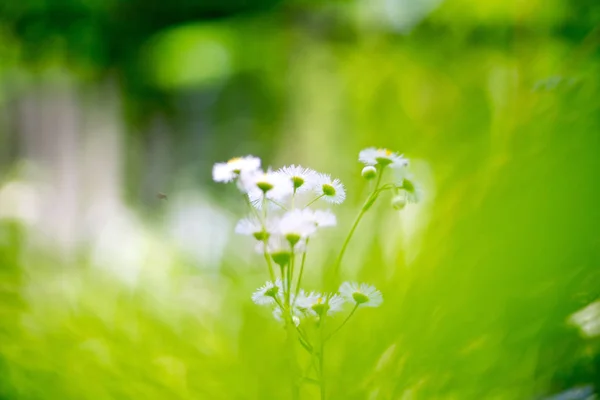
(290, 271)
(313, 200)
(278, 204)
(322, 358)
(269, 263)
(311, 380)
(343, 323)
(282, 270)
(301, 272)
(294, 368)
(372, 197)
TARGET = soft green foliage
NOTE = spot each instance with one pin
(479, 279)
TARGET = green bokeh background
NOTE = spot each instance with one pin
(495, 102)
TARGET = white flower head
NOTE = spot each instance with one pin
(363, 295)
(319, 304)
(267, 293)
(256, 228)
(332, 190)
(302, 178)
(296, 225)
(382, 157)
(232, 169)
(266, 185)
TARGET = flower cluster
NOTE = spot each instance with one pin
(288, 207)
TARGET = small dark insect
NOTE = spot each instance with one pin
(162, 196)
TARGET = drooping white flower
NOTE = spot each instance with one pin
(266, 185)
(232, 169)
(318, 304)
(255, 227)
(413, 191)
(382, 157)
(398, 202)
(267, 293)
(363, 295)
(302, 178)
(296, 225)
(331, 190)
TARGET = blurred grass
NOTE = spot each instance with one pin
(479, 280)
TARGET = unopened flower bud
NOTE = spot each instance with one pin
(398, 202)
(369, 172)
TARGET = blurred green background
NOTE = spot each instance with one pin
(109, 292)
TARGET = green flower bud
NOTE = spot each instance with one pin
(398, 202)
(369, 172)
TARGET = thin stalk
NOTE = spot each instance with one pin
(278, 204)
(289, 322)
(294, 368)
(372, 197)
(304, 336)
(343, 323)
(338, 262)
(322, 358)
(311, 380)
(298, 282)
(313, 200)
(290, 271)
(282, 271)
(269, 263)
(304, 343)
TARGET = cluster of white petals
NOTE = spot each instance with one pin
(287, 211)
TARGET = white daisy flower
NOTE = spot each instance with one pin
(253, 226)
(382, 157)
(302, 178)
(332, 190)
(316, 303)
(271, 185)
(364, 295)
(230, 170)
(267, 293)
(296, 225)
